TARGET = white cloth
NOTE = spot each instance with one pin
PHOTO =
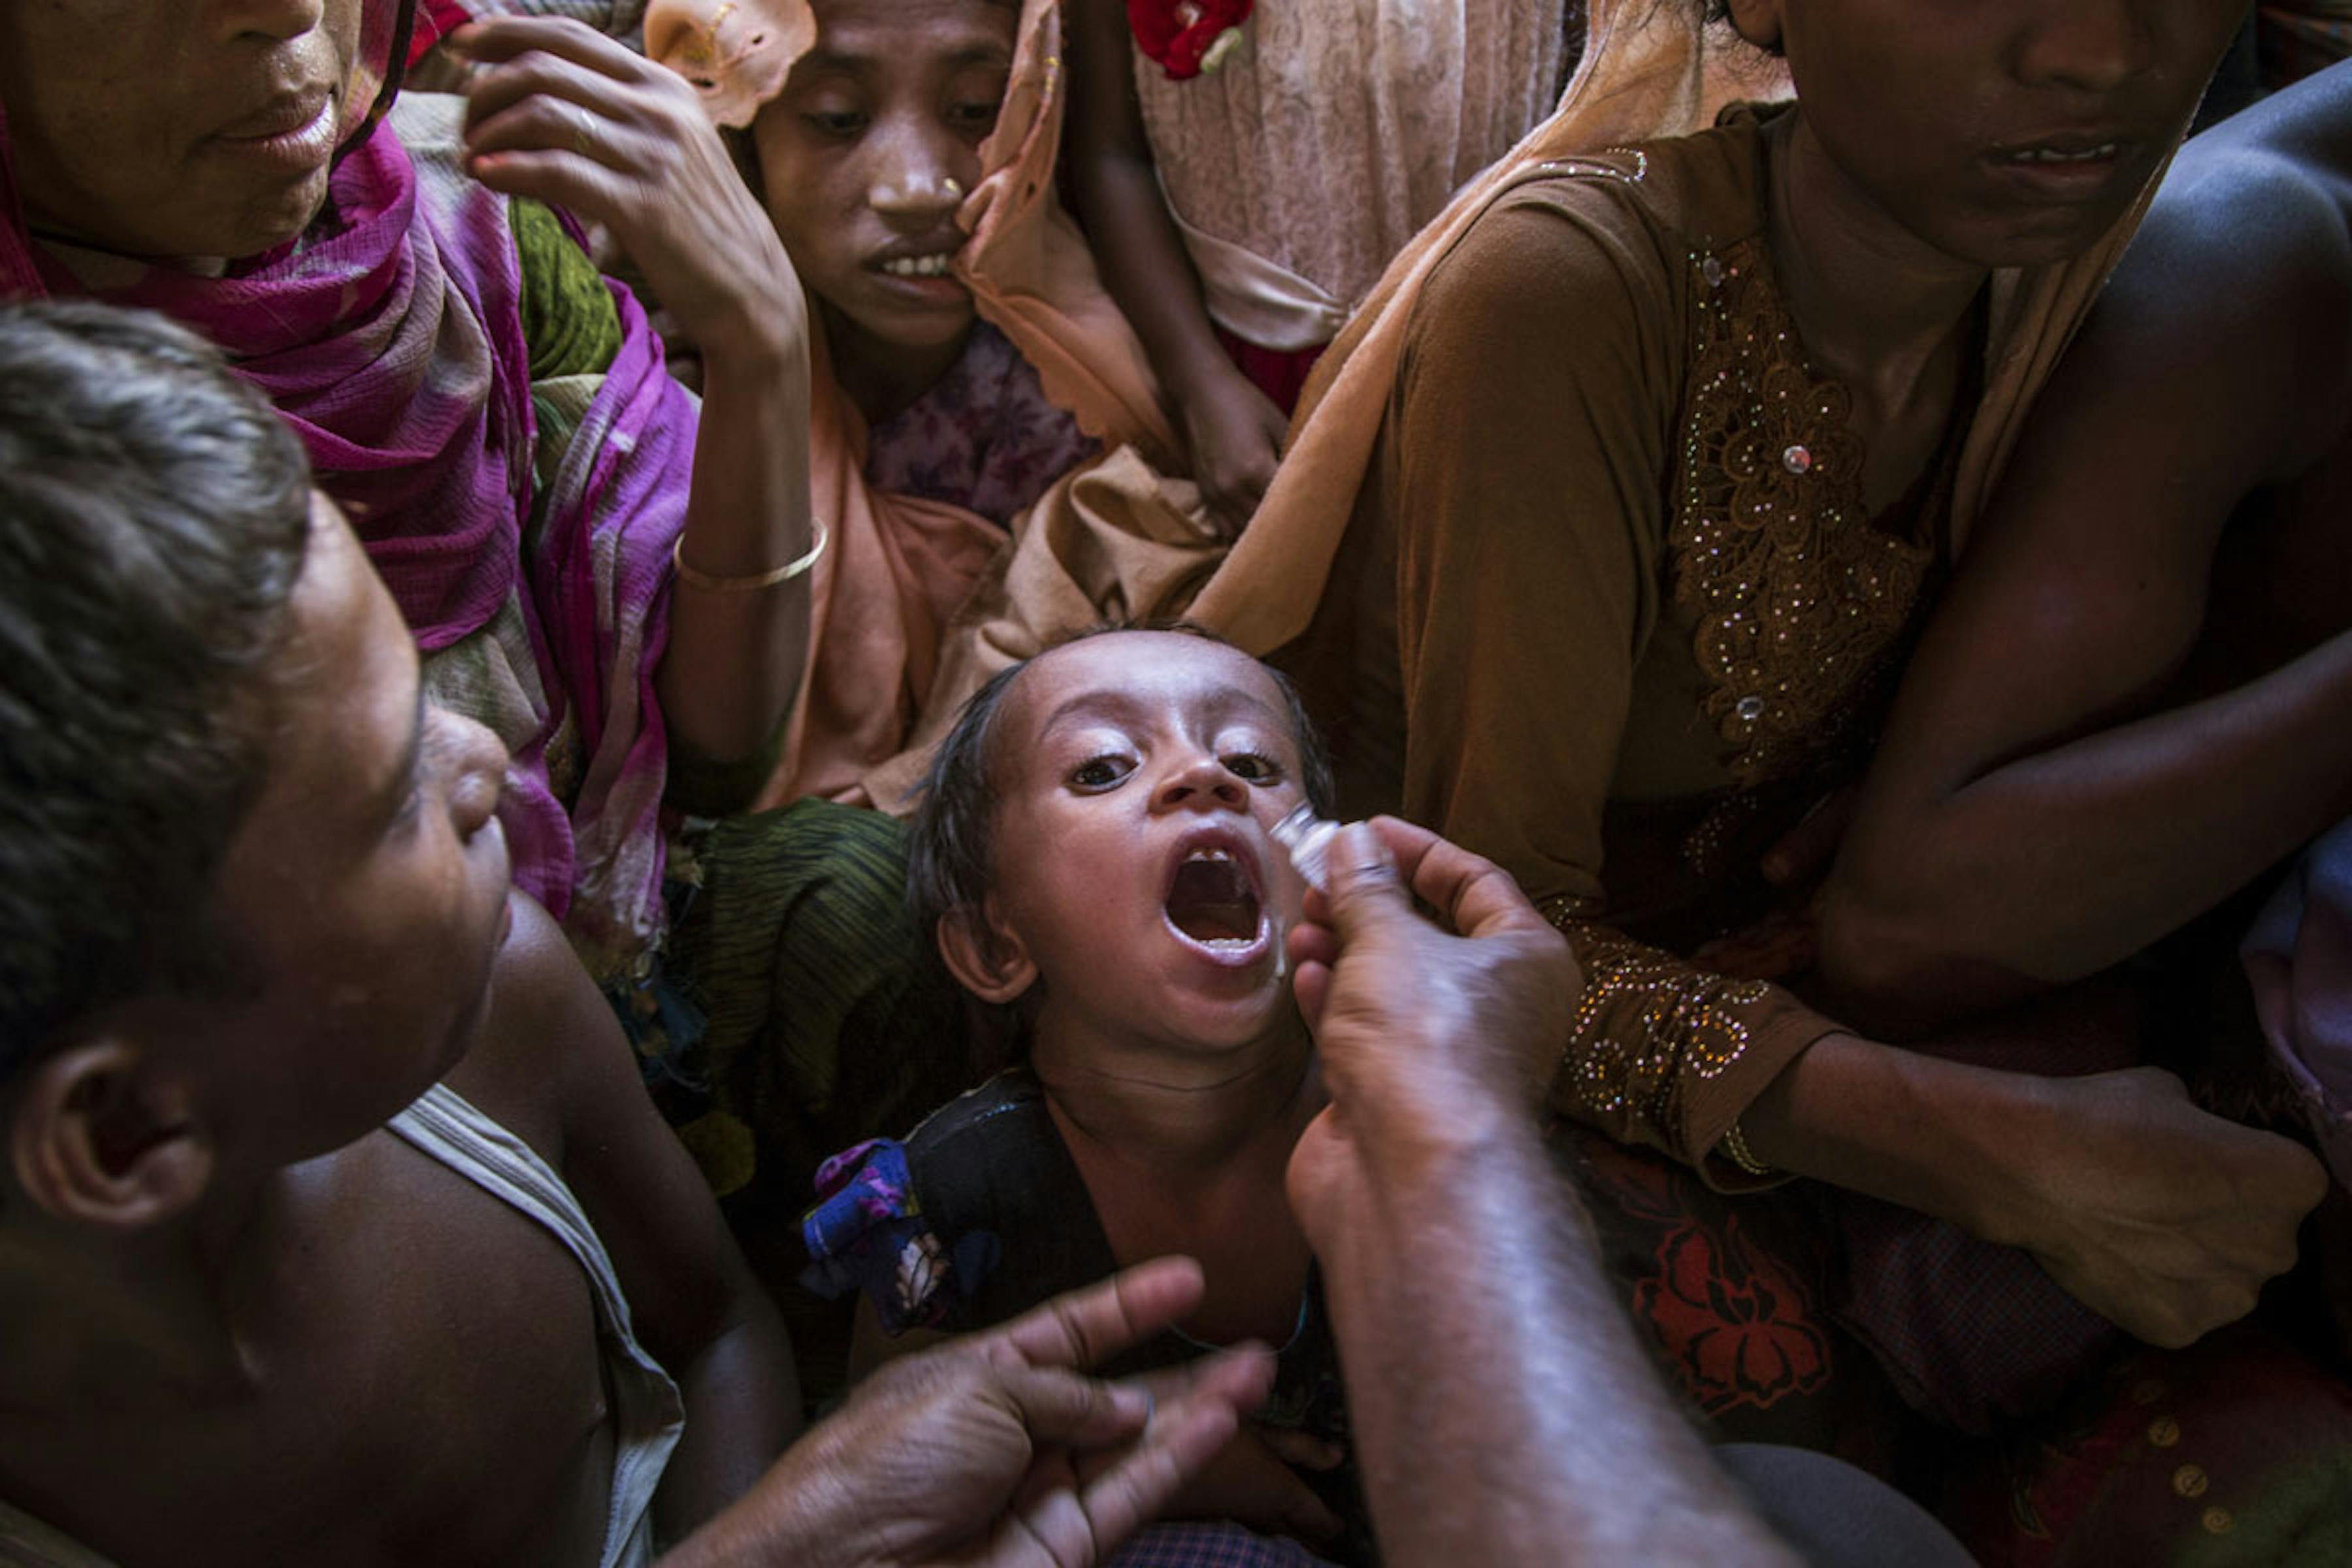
(1299, 168)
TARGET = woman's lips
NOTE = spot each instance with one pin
(295, 134)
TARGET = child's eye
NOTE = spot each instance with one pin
(1100, 772)
(1253, 767)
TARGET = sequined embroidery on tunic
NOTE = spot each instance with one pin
(1646, 1023)
(1801, 600)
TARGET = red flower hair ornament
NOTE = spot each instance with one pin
(1188, 37)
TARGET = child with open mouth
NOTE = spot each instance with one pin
(1095, 852)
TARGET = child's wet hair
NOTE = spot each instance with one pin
(154, 516)
(949, 863)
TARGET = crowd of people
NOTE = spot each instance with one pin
(660, 658)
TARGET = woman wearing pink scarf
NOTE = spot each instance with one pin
(606, 591)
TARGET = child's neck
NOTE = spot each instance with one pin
(1181, 1116)
(1185, 1153)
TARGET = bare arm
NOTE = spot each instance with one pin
(567, 116)
(1235, 433)
(2028, 820)
(692, 1300)
(1502, 1414)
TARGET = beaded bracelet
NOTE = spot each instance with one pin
(747, 583)
(1733, 1146)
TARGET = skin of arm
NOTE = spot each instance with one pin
(1515, 1420)
(660, 180)
(692, 1300)
(2028, 821)
(1234, 432)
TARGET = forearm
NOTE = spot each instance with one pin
(1517, 1421)
(1147, 270)
(2062, 863)
(735, 656)
(1943, 1138)
(742, 1406)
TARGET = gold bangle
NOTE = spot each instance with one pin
(1733, 1146)
(747, 583)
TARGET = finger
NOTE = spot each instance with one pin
(1062, 1409)
(1362, 887)
(1084, 1327)
(1242, 1372)
(1310, 988)
(1076, 1529)
(494, 39)
(1475, 896)
(1804, 854)
(551, 124)
(582, 185)
(507, 89)
(1302, 1450)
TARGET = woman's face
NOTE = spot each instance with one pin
(2002, 132)
(870, 148)
(175, 128)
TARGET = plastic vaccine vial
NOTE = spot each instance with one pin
(1306, 839)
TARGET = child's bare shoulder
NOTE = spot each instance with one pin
(546, 1029)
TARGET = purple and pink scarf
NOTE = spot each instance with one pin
(391, 340)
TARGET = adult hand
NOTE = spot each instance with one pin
(559, 112)
(1235, 433)
(2159, 1216)
(972, 1453)
(1429, 1042)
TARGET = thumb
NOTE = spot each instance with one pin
(1362, 885)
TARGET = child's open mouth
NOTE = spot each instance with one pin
(1213, 903)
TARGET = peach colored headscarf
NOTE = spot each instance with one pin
(916, 602)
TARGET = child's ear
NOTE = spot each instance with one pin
(97, 1139)
(984, 955)
(1758, 22)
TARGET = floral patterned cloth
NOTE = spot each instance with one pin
(984, 438)
(868, 1232)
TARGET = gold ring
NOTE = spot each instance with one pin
(584, 132)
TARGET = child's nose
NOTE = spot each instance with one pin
(1202, 783)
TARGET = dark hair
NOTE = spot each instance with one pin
(153, 516)
(949, 862)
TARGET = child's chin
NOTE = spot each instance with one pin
(1230, 1023)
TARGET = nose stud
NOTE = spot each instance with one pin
(954, 187)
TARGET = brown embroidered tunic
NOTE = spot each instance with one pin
(1610, 610)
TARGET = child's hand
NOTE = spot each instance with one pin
(1235, 434)
(1255, 1482)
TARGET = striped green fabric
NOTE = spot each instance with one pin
(830, 1019)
